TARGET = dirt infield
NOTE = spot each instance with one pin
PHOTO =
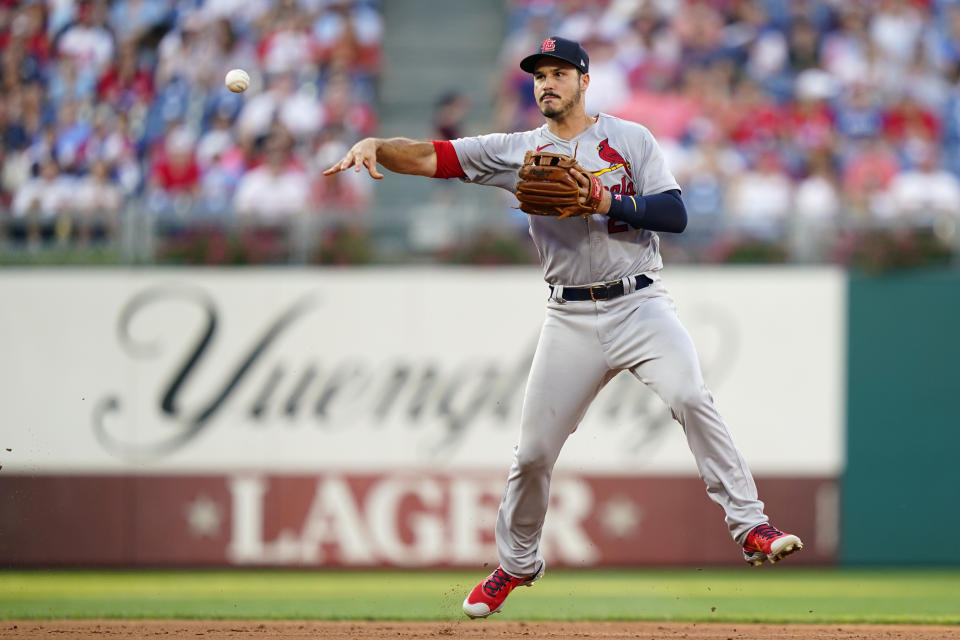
(243, 629)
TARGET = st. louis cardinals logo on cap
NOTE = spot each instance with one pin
(561, 49)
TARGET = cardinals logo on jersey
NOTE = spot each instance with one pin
(612, 156)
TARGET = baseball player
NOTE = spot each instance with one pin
(608, 310)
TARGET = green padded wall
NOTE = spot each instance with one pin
(901, 489)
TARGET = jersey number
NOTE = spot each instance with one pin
(615, 226)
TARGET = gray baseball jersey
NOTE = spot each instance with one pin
(581, 250)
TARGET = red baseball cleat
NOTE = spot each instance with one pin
(766, 542)
(488, 596)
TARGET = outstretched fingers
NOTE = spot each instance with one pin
(358, 161)
(345, 163)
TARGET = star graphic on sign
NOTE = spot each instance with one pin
(204, 516)
(620, 516)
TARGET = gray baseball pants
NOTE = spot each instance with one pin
(582, 346)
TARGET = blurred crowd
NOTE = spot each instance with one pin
(790, 123)
(800, 119)
(108, 103)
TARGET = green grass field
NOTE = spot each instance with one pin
(767, 595)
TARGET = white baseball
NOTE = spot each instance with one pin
(237, 80)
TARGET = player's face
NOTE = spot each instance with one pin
(557, 87)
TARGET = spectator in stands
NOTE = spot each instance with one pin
(449, 112)
(301, 114)
(286, 44)
(923, 82)
(87, 40)
(758, 119)
(760, 199)
(347, 37)
(608, 89)
(950, 115)
(943, 43)
(907, 119)
(61, 14)
(25, 47)
(16, 163)
(186, 53)
(72, 82)
(222, 162)
(242, 12)
(26, 28)
(111, 142)
(761, 47)
(803, 46)
(72, 133)
(132, 20)
(924, 193)
(843, 52)
(40, 202)
(218, 139)
(809, 120)
(578, 20)
(669, 114)
(896, 27)
(869, 169)
(175, 178)
(125, 85)
(817, 196)
(32, 112)
(816, 209)
(95, 204)
(859, 112)
(356, 118)
(650, 49)
(15, 169)
(713, 164)
(276, 190)
(108, 140)
(12, 131)
(218, 183)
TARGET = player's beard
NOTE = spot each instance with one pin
(559, 111)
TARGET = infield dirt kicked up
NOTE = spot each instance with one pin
(220, 629)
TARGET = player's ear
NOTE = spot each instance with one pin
(584, 81)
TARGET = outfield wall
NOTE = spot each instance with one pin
(367, 418)
(901, 504)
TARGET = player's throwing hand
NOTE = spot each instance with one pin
(363, 154)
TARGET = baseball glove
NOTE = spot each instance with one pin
(546, 187)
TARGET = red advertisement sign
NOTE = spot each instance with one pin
(402, 519)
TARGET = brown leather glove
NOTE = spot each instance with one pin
(546, 187)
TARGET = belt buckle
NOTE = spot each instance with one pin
(602, 288)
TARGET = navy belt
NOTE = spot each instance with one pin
(607, 291)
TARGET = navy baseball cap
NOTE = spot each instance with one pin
(562, 49)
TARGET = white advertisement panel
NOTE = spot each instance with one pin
(281, 370)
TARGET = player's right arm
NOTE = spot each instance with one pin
(400, 155)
